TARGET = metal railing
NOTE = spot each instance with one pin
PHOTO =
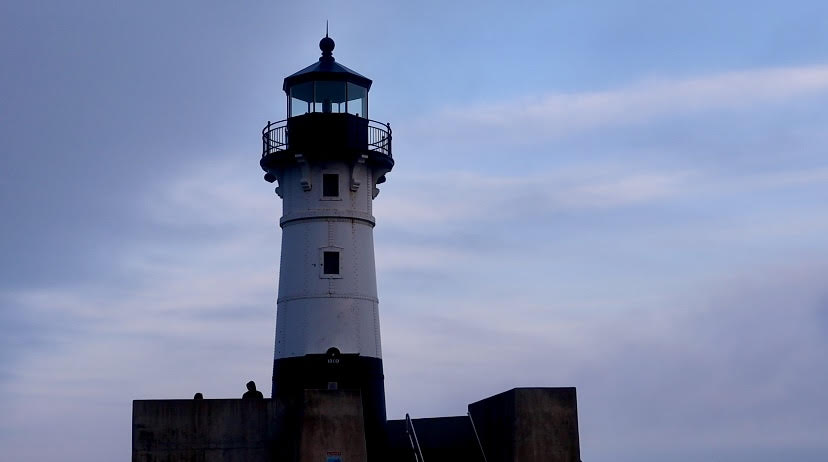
(412, 438)
(275, 137)
(477, 437)
(379, 137)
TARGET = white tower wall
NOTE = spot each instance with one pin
(316, 311)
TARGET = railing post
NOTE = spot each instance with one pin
(266, 140)
(388, 141)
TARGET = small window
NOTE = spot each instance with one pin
(330, 184)
(330, 262)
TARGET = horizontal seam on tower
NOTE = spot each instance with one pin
(328, 214)
(290, 221)
(304, 297)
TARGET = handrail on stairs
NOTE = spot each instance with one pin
(412, 438)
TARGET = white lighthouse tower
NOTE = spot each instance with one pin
(327, 158)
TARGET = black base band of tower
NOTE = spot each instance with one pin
(292, 376)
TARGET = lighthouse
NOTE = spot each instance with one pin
(326, 160)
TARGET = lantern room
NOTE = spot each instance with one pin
(327, 87)
(327, 118)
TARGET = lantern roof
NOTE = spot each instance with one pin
(326, 69)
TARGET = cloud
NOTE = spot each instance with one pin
(556, 115)
(733, 364)
(459, 196)
(437, 201)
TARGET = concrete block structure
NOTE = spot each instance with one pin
(325, 423)
(230, 430)
(528, 425)
(332, 426)
(519, 425)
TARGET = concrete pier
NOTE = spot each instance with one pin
(519, 425)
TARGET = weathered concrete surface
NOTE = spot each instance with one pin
(529, 425)
(230, 430)
(316, 425)
(332, 424)
(520, 425)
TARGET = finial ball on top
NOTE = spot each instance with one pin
(326, 45)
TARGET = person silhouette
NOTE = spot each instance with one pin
(251, 392)
(198, 396)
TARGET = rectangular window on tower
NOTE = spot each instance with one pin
(330, 263)
(330, 185)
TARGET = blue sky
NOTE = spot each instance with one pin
(626, 197)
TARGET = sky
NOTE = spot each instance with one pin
(626, 197)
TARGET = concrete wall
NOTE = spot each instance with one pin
(520, 425)
(332, 424)
(529, 425)
(208, 430)
(319, 424)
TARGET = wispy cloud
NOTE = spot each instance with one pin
(446, 197)
(731, 355)
(554, 115)
(461, 196)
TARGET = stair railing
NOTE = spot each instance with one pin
(412, 438)
(479, 443)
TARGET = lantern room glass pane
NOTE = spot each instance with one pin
(357, 100)
(330, 97)
(301, 99)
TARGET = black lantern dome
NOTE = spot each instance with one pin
(327, 86)
(327, 119)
